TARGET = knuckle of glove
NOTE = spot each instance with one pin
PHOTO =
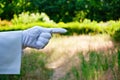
(46, 35)
(40, 45)
(42, 42)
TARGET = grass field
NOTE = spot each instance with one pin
(82, 57)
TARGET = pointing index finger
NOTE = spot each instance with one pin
(52, 30)
(58, 30)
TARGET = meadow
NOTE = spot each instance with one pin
(78, 57)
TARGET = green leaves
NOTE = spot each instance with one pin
(86, 26)
(63, 10)
(27, 17)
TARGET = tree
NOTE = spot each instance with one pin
(63, 10)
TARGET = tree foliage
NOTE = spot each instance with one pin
(63, 10)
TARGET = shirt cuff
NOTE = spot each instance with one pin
(10, 52)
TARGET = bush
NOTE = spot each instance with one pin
(26, 18)
(85, 27)
(5, 23)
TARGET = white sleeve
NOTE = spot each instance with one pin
(10, 52)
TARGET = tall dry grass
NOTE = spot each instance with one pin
(62, 51)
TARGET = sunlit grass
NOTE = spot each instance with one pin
(60, 49)
(98, 67)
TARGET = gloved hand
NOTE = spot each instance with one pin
(37, 37)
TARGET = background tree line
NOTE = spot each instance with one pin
(63, 10)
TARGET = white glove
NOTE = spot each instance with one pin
(38, 37)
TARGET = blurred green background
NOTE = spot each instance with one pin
(93, 37)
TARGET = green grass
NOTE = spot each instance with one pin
(32, 68)
(85, 27)
(94, 68)
(98, 67)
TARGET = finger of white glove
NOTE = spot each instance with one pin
(39, 45)
(51, 30)
(46, 35)
(58, 30)
(42, 29)
(43, 40)
(54, 30)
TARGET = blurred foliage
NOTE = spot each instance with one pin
(86, 26)
(5, 23)
(26, 18)
(63, 10)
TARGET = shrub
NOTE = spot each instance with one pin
(5, 23)
(26, 18)
(85, 27)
